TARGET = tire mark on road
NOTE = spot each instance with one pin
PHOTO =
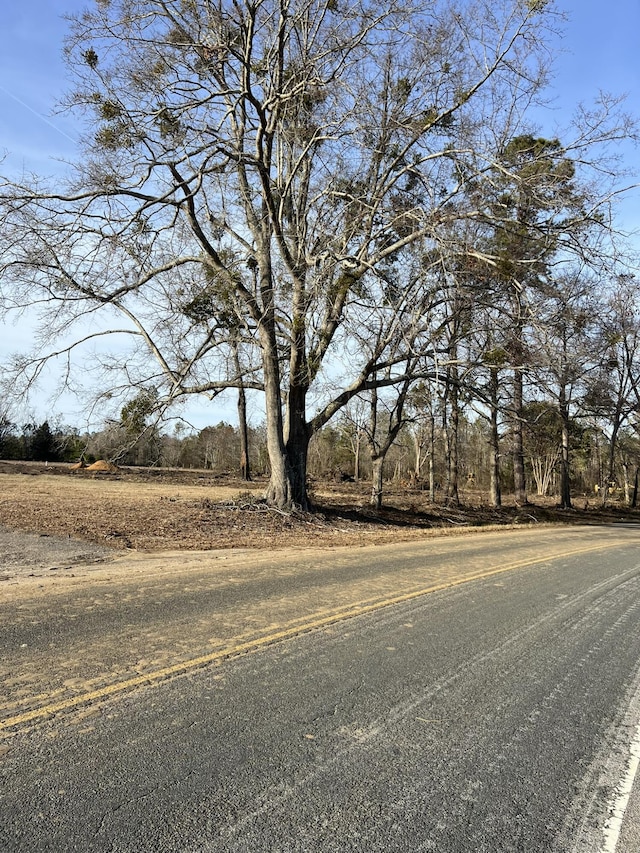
(243, 644)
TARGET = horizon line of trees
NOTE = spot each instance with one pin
(419, 456)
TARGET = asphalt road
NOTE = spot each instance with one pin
(492, 715)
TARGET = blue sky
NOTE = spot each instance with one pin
(598, 51)
(32, 77)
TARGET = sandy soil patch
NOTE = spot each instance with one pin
(154, 510)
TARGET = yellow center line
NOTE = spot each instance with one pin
(287, 632)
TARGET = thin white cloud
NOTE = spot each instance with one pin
(38, 115)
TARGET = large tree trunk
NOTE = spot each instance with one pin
(495, 494)
(377, 468)
(626, 483)
(519, 477)
(432, 460)
(451, 443)
(613, 444)
(245, 470)
(297, 445)
(280, 489)
(517, 431)
(417, 455)
(283, 489)
(565, 482)
(376, 452)
(451, 451)
(287, 443)
(296, 430)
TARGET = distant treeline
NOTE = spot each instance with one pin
(419, 456)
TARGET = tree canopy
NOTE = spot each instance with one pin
(272, 195)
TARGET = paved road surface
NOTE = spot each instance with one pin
(493, 715)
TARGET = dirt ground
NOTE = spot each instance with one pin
(159, 510)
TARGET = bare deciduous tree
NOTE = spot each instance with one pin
(264, 160)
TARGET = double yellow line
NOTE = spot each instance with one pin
(285, 633)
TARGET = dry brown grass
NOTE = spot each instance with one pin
(156, 510)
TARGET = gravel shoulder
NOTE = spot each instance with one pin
(40, 555)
